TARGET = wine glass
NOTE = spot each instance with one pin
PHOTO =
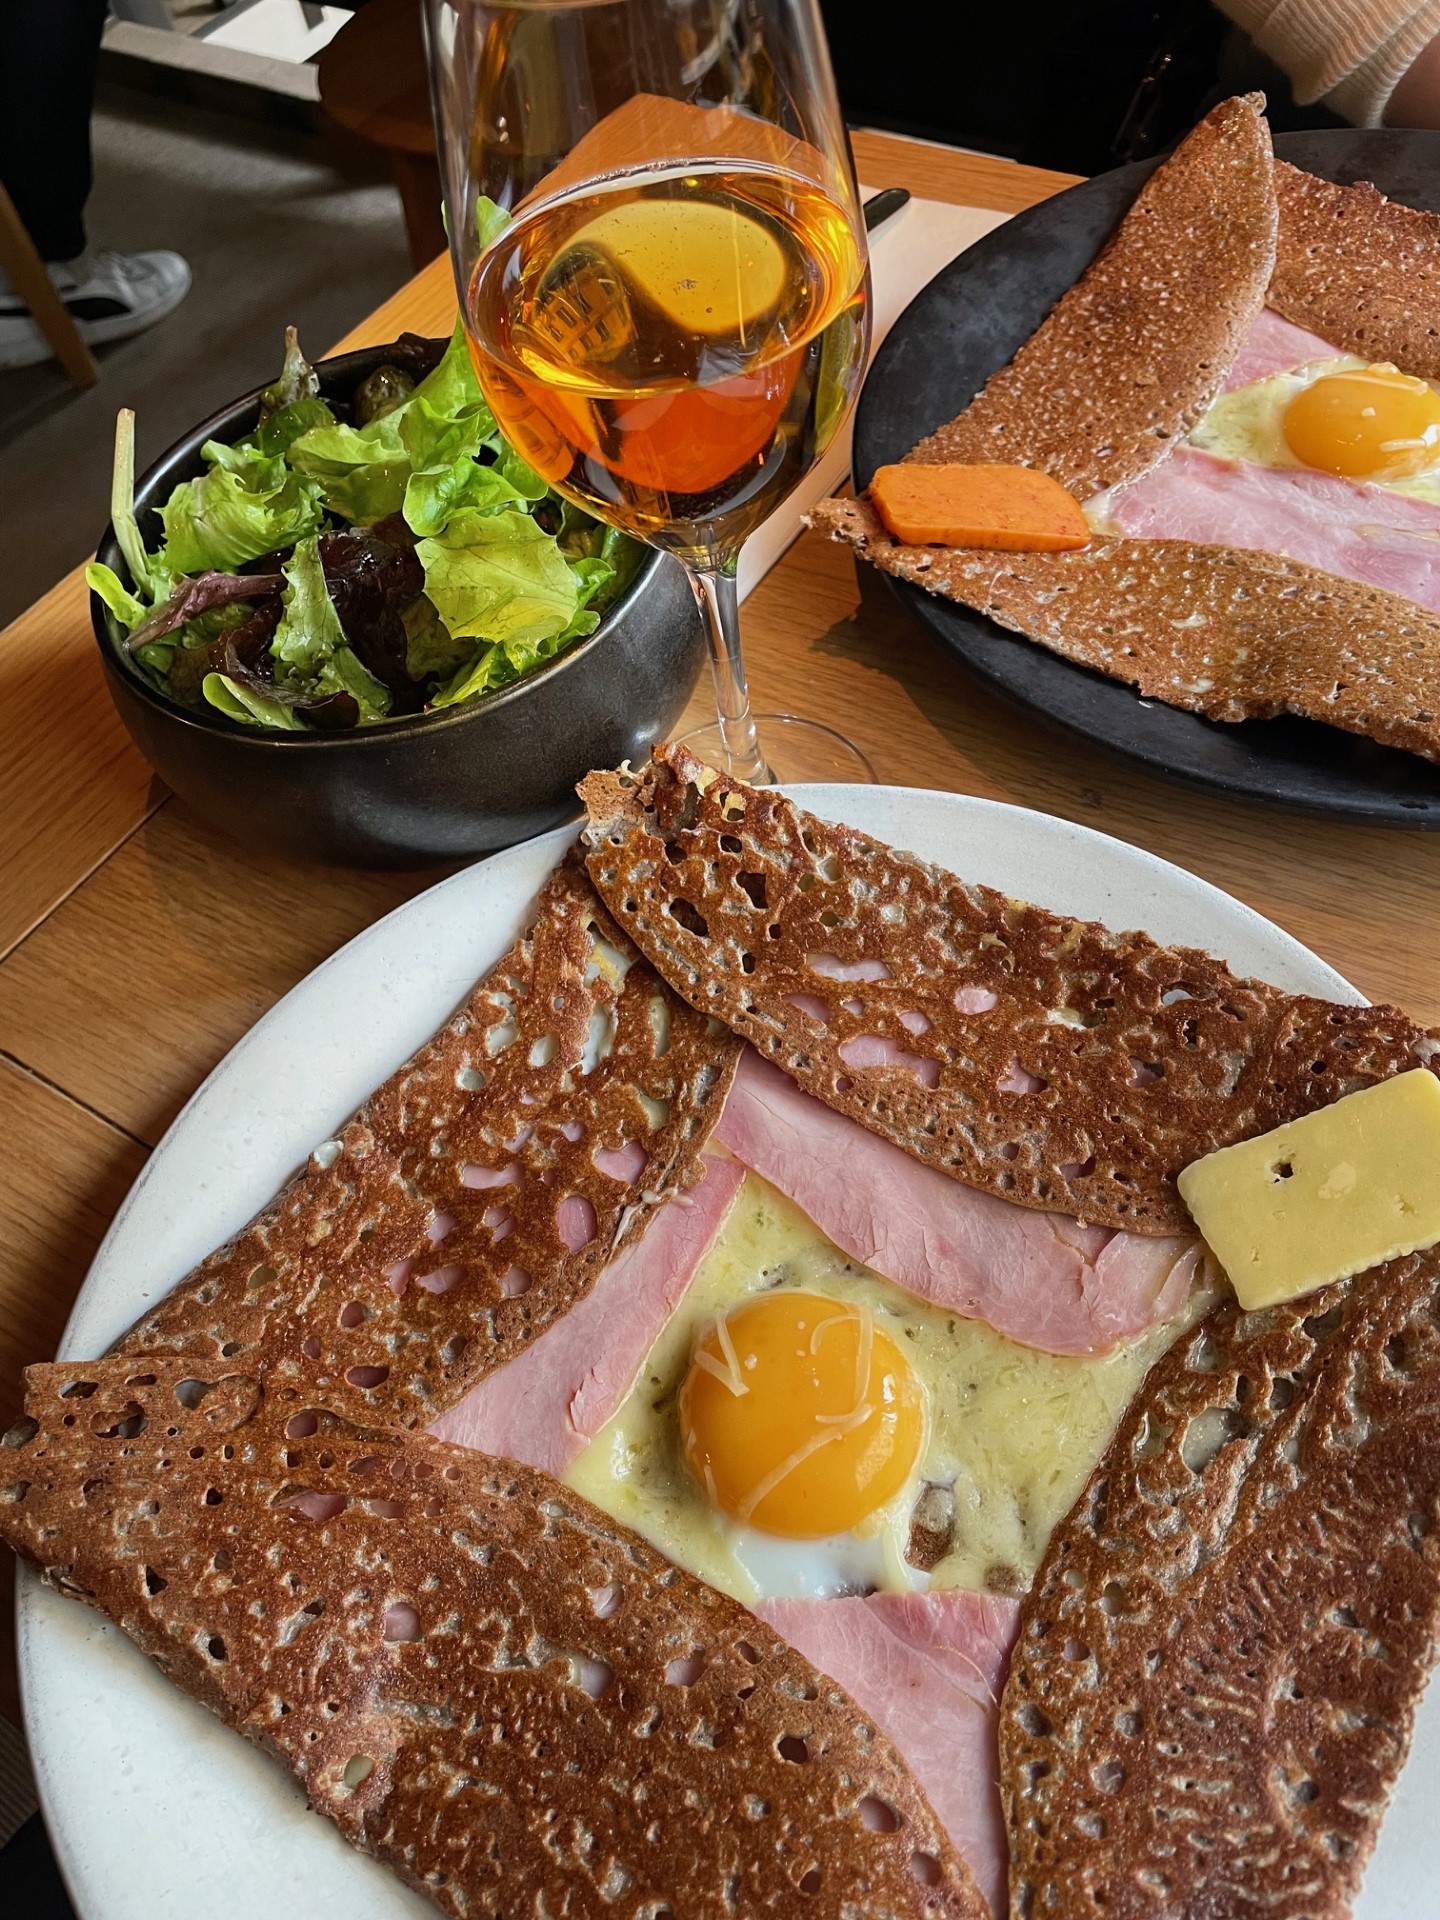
(672, 322)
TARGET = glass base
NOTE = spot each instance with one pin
(794, 749)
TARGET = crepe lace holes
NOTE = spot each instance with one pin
(123, 1424)
(690, 918)
(592, 1676)
(755, 1807)
(809, 1882)
(575, 1221)
(513, 1282)
(22, 1433)
(1035, 1722)
(367, 1378)
(1077, 1169)
(301, 1426)
(261, 1277)
(605, 1601)
(975, 1000)
(1018, 1079)
(926, 1869)
(626, 1162)
(215, 1648)
(213, 1496)
(402, 1623)
(792, 1748)
(685, 1670)
(1109, 1776)
(543, 1050)
(470, 1080)
(354, 1315)
(154, 1582)
(1320, 1326)
(752, 885)
(877, 1815)
(358, 1769)
(729, 844)
(310, 1347)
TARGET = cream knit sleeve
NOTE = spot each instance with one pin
(1350, 53)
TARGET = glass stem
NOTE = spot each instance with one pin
(715, 590)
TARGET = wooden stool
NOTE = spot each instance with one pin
(373, 81)
(35, 287)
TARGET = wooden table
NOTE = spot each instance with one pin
(136, 945)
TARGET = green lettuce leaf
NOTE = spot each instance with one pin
(147, 572)
(103, 581)
(297, 379)
(360, 471)
(521, 475)
(451, 386)
(434, 496)
(490, 221)
(364, 472)
(280, 431)
(239, 702)
(312, 656)
(499, 576)
(247, 504)
(430, 649)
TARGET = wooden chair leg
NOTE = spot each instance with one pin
(417, 175)
(35, 287)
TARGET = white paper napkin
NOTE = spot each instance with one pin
(905, 255)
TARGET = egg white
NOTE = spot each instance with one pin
(1012, 1432)
(1247, 423)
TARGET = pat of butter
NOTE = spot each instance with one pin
(1326, 1196)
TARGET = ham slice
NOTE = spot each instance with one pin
(548, 1403)
(1040, 1278)
(1360, 531)
(928, 1668)
(1341, 526)
(1274, 345)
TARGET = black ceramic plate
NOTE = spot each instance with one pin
(966, 324)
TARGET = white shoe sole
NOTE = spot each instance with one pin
(23, 345)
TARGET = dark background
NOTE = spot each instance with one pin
(1079, 85)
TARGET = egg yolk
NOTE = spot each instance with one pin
(1373, 423)
(799, 1416)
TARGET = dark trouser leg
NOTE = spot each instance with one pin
(48, 53)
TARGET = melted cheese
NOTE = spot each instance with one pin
(1013, 1433)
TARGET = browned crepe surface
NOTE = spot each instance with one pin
(1146, 1056)
(302, 1294)
(1218, 1664)
(1224, 631)
(500, 1693)
(1358, 269)
(1129, 358)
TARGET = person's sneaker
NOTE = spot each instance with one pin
(110, 295)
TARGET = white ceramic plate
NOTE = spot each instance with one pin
(156, 1811)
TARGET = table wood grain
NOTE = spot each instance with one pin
(137, 945)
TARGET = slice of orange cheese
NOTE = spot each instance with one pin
(1016, 509)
